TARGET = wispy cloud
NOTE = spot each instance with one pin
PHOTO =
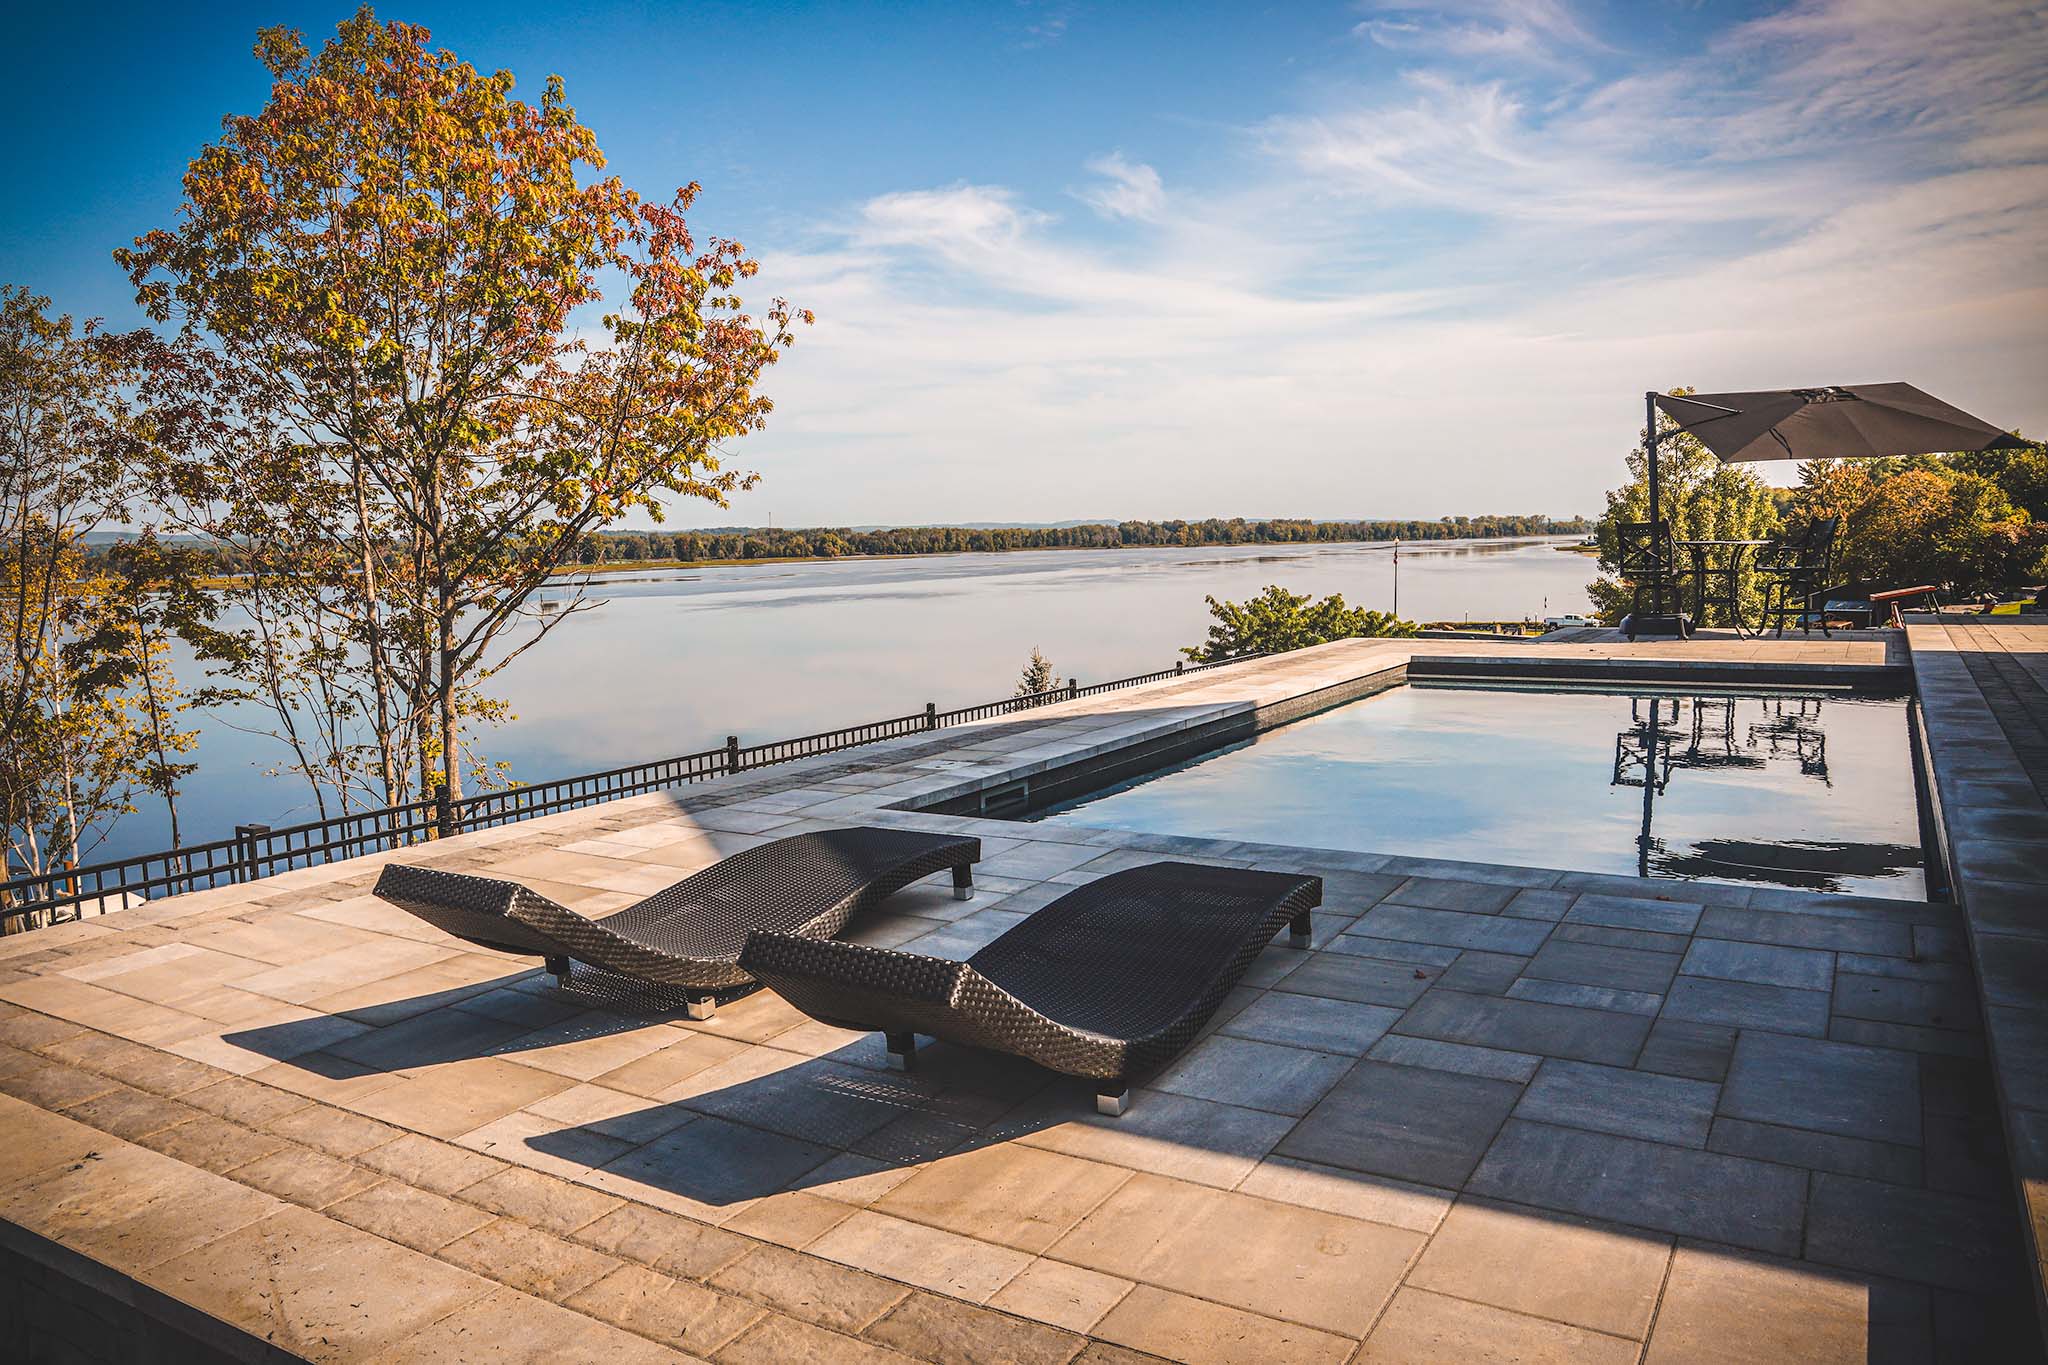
(1436, 290)
(1124, 189)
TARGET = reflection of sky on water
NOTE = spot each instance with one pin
(1528, 778)
(675, 660)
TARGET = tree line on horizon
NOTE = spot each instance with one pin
(613, 547)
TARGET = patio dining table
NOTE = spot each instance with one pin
(1704, 569)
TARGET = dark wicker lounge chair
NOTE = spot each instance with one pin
(1110, 982)
(690, 935)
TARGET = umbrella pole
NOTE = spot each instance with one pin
(1656, 510)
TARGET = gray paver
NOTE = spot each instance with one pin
(1861, 1092)
(1588, 997)
(1610, 1099)
(1527, 1026)
(1720, 1198)
(1817, 1151)
(1459, 1057)
(1807, 931)
(1392, 950)
(1922, 1004)
(1340, 1026)
(1744, 1004)
(1430, 893)
(1453, 928)
(1593, 964)
(1924, 1235)
(1482, 972)
(1680, 1047)
(1369, 981)
(1404, 1121)
(1770, 964)
(1285, 1080)
(1634, 912)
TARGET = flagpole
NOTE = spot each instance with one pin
(1397, 578)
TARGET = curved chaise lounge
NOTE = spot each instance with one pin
(1109, 982)
(690, 935)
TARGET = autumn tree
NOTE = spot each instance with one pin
(1925, 519)
(1278, 620)
(1702, 499)
(400, 372)
(68, 436)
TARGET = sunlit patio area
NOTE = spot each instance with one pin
(1491, 1112)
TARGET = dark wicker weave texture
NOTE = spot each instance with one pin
(691, 934)
(1110, 981)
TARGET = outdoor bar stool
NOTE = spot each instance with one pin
(1795, 573)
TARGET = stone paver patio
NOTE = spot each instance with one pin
(1493, 1113)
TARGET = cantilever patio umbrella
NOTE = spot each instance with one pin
(1853, 422)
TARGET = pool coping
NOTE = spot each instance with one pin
(1994, 829)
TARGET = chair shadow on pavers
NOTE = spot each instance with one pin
(1544, 1152)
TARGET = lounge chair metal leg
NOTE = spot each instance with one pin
(963, 883)
(558, 967)
(902, 1050)
(701, 1006)
(1112, 1102)
(1299, 934)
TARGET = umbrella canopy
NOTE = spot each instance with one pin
(1858, 422)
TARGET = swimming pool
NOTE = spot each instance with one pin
(1813, 792)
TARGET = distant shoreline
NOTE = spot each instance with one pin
(636, 565)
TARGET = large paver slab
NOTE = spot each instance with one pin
(1611, 1099)
(1286, 1080)
(1422, 1327)
(1010, 1194)
(1309, 1266)
(1858, 1092)
(1722, 1308)
(1924, 1235)
(1407, 1122)
(1591, 1275)
(1696, 1194)
(1585, 1035)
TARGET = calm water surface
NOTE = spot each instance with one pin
(1803, 792)
(675, 660)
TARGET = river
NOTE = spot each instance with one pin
(675, 660)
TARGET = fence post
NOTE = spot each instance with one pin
(732, 754)
(1073, 688)
(246, 837)
(444, 812)
(1180, 666)
(931, 715)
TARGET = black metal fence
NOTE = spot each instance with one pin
(263, 850)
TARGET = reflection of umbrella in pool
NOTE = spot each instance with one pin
(1816, 865)
(1856, 422)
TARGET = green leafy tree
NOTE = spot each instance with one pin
(1278, 620)
(1037, 677)
(394, 385)
(1703, 499)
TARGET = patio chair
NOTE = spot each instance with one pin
(690, 935)
(1109, 982)
(1794, 570)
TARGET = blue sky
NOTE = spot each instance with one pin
(1080, 259)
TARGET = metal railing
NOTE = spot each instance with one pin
(256, 851)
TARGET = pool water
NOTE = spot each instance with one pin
(1808, 792)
